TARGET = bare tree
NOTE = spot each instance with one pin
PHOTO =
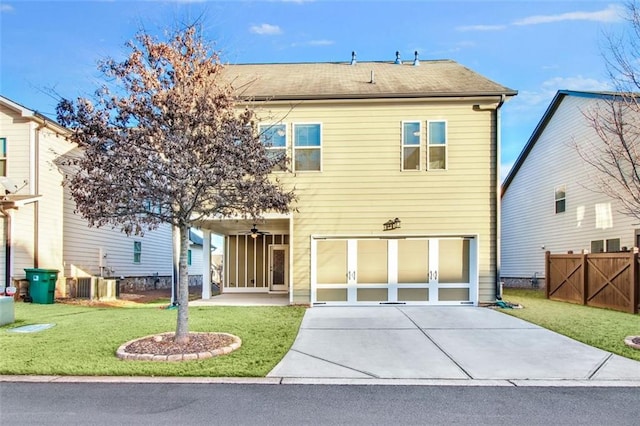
(164, 141)
(614, 157)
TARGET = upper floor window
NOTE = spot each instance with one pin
(274, 138)
(307, 147)
(3, 156)
(437, 145)
(137, 251)
(411, 145)
(560, 199)
(189, 257)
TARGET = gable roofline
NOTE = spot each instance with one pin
(383, 80)
(34, 116)
(544, 121)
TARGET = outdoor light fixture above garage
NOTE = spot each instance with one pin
(391, 224)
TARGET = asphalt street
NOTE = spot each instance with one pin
(264, 404)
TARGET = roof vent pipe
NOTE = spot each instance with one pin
(373, 78)
(398, 61)
(416, 61)
(353, 58)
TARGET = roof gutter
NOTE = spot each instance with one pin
(371, 96)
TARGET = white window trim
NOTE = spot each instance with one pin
(287, 142)
(555, 200)
(403, 146)
(5, 156)
(293, 146)
(139, 252)
(446, 145)
(606, 244)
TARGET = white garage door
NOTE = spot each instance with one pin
(417, 270)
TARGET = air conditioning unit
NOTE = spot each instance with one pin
(96, 288)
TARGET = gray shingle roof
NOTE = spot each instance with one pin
(300, 81)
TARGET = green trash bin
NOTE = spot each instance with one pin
(42, 284)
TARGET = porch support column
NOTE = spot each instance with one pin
(206, 264)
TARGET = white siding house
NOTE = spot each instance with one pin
(32, 196)
(549, 201)
(39, 227)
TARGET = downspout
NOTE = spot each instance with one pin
(496, 183)
(7, 253)
(497, 200)
(35, 188)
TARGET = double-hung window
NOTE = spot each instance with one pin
(307, 147)
(411, 145)
(608, 246)
(560, 199)
(274, 138)
(137, 251)
(437, 145)
(3, 156)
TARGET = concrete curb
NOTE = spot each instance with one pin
(321, 381)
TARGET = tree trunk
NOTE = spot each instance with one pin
(182, 328)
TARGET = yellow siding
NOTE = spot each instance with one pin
(361, 185)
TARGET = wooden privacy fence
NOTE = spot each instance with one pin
(605, 280)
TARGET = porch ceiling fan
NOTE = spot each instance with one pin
(255, 232)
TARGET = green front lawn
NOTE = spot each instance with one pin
(84, 339)
(602, 328)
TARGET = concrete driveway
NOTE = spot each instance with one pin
(459, 344)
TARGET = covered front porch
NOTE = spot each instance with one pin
(257, 255)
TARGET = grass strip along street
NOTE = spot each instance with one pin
(85, 338)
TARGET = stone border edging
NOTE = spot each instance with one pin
(629, 342)
(123, 354)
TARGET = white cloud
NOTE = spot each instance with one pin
(481, 28)
(532, 103)
(323, 42)
(576, 83)
(265, 29)
(613, 13)
(6, 8)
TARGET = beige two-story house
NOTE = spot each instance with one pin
(395, 167)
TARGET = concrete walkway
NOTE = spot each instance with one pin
(459, 344)
(244, 299)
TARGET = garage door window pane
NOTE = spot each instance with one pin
(373, 295)
(331, 295)
(413, 261)
(372, 262)
(332, 262)
(453, 261)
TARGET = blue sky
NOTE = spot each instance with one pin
(536, 47)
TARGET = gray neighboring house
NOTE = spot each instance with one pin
(548, 198)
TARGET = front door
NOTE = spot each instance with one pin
(278, 267)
